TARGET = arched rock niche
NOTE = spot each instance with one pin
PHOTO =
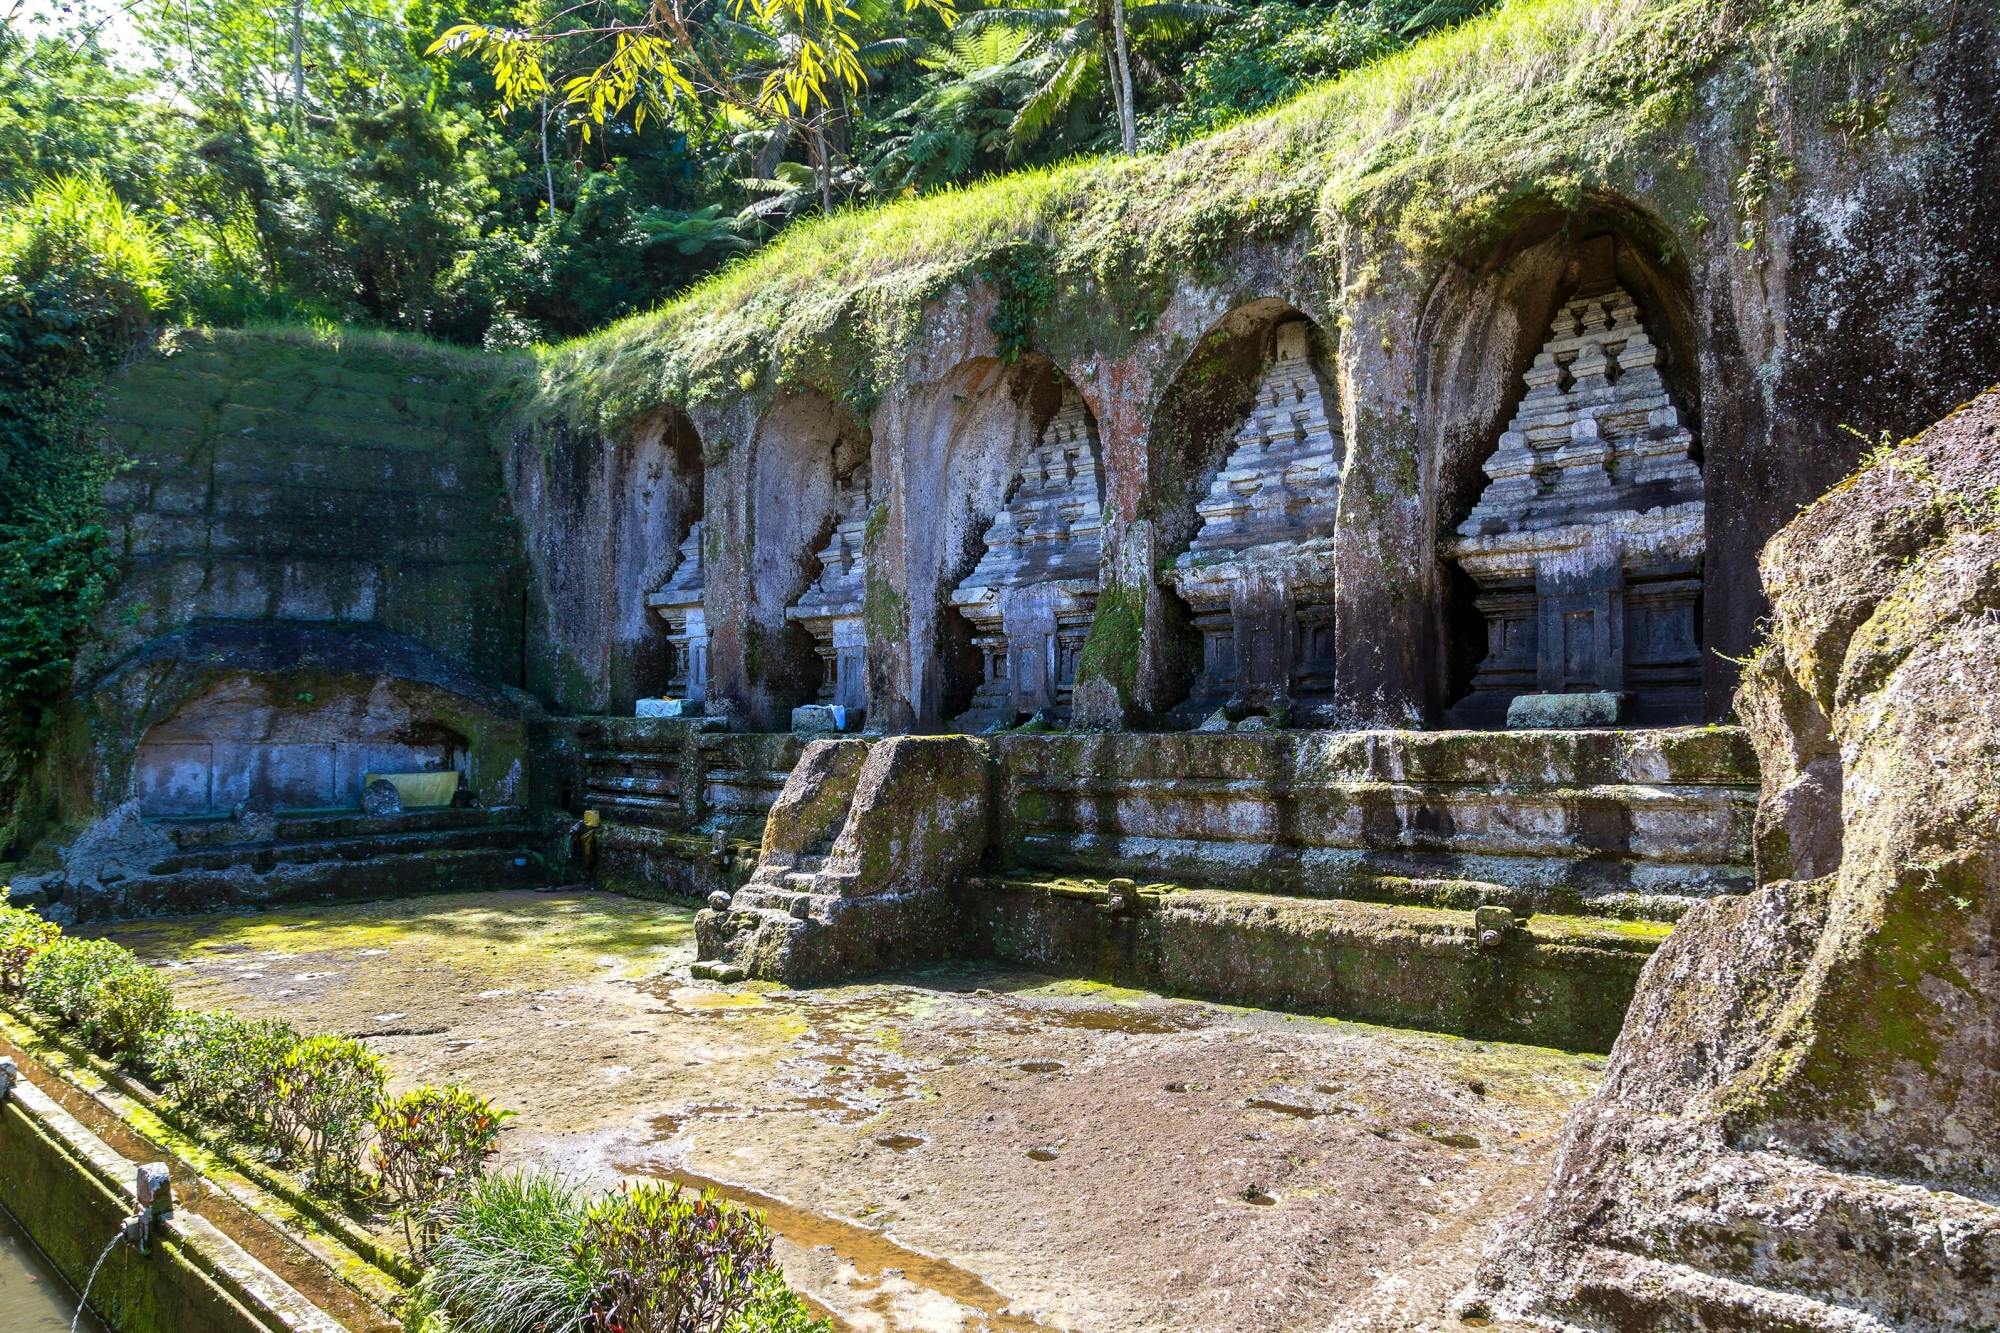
(1482, 329)
(964, 439)
(271, 715)
(604, 521)
(809, 461)
(259, 742)
(1244, 471)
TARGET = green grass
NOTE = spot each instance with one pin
(1436, 150)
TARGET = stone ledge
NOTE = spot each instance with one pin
(1561, 981)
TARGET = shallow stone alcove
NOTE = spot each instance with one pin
(809, 461)
(1480, 332)
(1245, 457)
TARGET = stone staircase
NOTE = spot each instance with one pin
(682, 807)
(208, 864)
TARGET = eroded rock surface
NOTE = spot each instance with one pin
(1801, 1124)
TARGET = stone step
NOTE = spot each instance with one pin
(264, 856)
(1911, 1256)
(1576, 885)
(666, 758)
(613, 786)
(1619, 1291)
(382, 875)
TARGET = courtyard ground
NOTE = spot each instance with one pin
(949, 1150)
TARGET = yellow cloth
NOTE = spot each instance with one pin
(418, 789)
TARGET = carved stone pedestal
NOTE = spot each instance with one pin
(1587, 544)
(831, 609)
(1031, 597)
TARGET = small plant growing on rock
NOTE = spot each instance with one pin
(673, 1261)
(322, 1092)
(431, 1144)
(23, 935)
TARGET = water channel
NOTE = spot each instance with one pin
(33, 1297)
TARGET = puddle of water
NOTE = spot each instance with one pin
(872, 1254)
(33, 1296)
(1115, 1018)
(1042, 1155)
(1039, 1066)
(901, 1142)
(1261, 1198)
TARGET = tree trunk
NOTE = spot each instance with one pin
(298, 68)
(824, 164)
(1128, 122)
(548, 170)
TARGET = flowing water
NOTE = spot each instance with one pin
(33, 1299)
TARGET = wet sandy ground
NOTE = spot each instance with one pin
(950, 1150)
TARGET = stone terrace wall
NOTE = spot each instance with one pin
(1614, 823)
(274, 477)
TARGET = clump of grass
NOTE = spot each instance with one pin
(528, 1252)
(507, 1261)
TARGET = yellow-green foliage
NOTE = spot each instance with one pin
(1538, 104)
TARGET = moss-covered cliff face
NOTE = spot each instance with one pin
(1802, 1119)
(286, 476)
(1798, 194)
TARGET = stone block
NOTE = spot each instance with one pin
(1567, 712)
(815, 719)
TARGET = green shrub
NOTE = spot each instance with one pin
(220, 1066)
(322, 1094)
(99, 990)
(508, 1261)
(126, 1005)
(60, 979)
(23, 935)
(430, 1144)
(674, 1261)
(775, 1308)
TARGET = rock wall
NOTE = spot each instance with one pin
(272, 476)
(1801, 1125)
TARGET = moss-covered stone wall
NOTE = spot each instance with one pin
(284, 476)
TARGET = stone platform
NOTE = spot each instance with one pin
(1506, 885)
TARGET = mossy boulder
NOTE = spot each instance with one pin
(1801, 1124)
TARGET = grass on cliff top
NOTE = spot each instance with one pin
(393, 344)
(1441, 146)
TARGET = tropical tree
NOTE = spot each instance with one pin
(666, 58)
(962, 124)
(1088, 45)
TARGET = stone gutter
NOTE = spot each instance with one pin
(342, 1269)
(71, 1192)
